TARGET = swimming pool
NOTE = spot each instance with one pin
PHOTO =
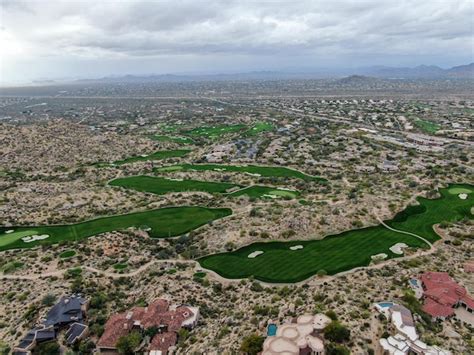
(414, 282)
(271, 330)
(385, 304)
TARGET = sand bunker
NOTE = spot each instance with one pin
(462, 196)
(270, 196)
(255, 254)
(9, 231)
(218, 169)
(380, 256)
(251, 174)
(32, 238)
(171, 179)
(144, 155)
(398, 248)
(296, 247)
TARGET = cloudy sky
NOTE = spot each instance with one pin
(76, 39)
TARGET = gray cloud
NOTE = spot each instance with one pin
(328, 31)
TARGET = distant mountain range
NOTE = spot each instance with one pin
(355, 75)
(419, 72)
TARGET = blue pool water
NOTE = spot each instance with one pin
(271, 330)
(385, 304)
(414, 282)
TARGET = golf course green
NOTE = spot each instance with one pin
(254, 170)
(159, 223)
(161, 186)
(288, 262)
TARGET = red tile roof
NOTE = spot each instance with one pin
(156, 314)
(116, 327)
(163, 341)
(442, 294)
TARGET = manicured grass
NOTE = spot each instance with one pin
(459, 190)
(258, 128)
(420, 219)
(120, 266)
(427, 126)
(264, 171)
(179, 140)
(160, 155)
(164, 222)
(344, 251)
(67, 254)
(161, 186)
(216, 131)
(334, 254)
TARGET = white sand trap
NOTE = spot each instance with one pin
(218, 169)
(32, 238)
(252, 174)
(9, 231)
(462, 196)
(380, 256)
(171, 179)
(144, 155)
(255, 254)
(270, 196)
(398, 248)
(284, 189)
(296, 247)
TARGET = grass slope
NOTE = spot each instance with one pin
(179, 140)
(258, 128)
(216, 131)
(427, 126)
(264, 171)
(343, 251)
(164, 222)
(161, 186)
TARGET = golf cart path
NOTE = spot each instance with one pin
(403, 232)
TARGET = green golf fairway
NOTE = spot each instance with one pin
(160, 223)
(265, 171)
(427, 126)
(420, 219)
(179, 140)
(161, 186)
(259, 127)
(344, 251)
(216, 131)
